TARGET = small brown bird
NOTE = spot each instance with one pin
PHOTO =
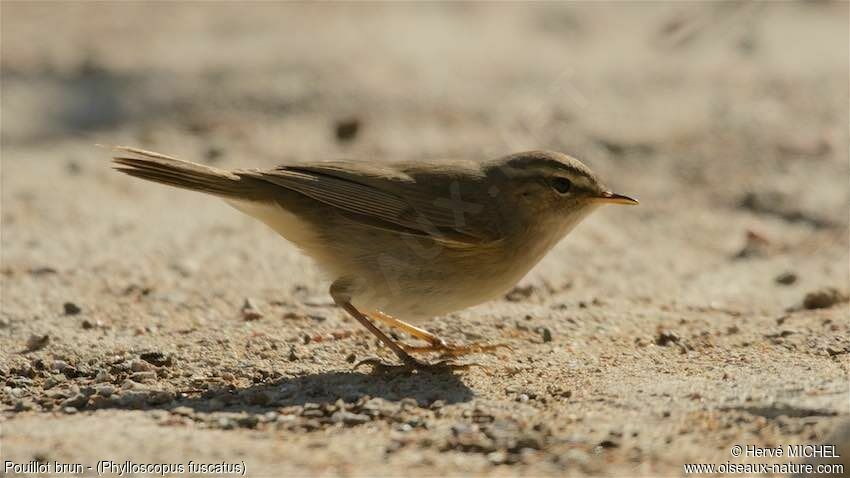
(406, 239)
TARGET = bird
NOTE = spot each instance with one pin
(405, 241)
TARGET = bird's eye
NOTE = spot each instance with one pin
(562, 185)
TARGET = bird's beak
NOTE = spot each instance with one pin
(612, 198)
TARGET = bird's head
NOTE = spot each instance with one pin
(548, 186)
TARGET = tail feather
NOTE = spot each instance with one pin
(184, 174)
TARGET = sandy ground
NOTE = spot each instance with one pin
(651, 337)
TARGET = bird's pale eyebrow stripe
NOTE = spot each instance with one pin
(536, 163)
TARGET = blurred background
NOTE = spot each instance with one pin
(728, 120)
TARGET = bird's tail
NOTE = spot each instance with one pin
(184, 174)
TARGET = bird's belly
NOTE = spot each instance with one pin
(436, 290)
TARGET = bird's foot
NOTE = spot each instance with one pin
(410, 365)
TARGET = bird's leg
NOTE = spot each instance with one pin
(422, 334)
(435, 343)
(409, 362)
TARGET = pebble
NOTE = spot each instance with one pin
(349, 418)
(346, 129)
(665, 338)
(823, 298)
(403, 427)
(102, 376)
(71, 308)
(59, 366)
(53, 380)
(519, 293)
(497, 457)
(77, 401)
(157, 358)
(225, 423)
(786, 278)
(100, 402)
(105, 390)
(250, 311)
(574, 455)
(142, 377)
(36, 342)
(184, 411)
(248, 421)
(140, 366)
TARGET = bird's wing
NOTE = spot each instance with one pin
(387, 198)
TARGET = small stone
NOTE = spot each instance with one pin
(159, 397)
(346, 129)
(497, 457)
(547, 335)
(786, 278)
(756, 244)
(351, 358)
(609, 444)
(157, 358)
(823, 298)
(102, 376)
(225, 423)
(349, 418)
(142, 377)
(71, 308)
(43, 271)
(183, 411)
(140, 366)
(665, 338)
(36, 342)
(249, 421)
(575, 455)
(250, 311)
(53, 380)
(77, 401)
(519, 293)
(98, 401)
(59, 366)
(70, 410)
(23, 405)
(105, 390)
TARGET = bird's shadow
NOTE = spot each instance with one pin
(322, 388)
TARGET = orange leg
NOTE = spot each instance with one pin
(435, 344)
